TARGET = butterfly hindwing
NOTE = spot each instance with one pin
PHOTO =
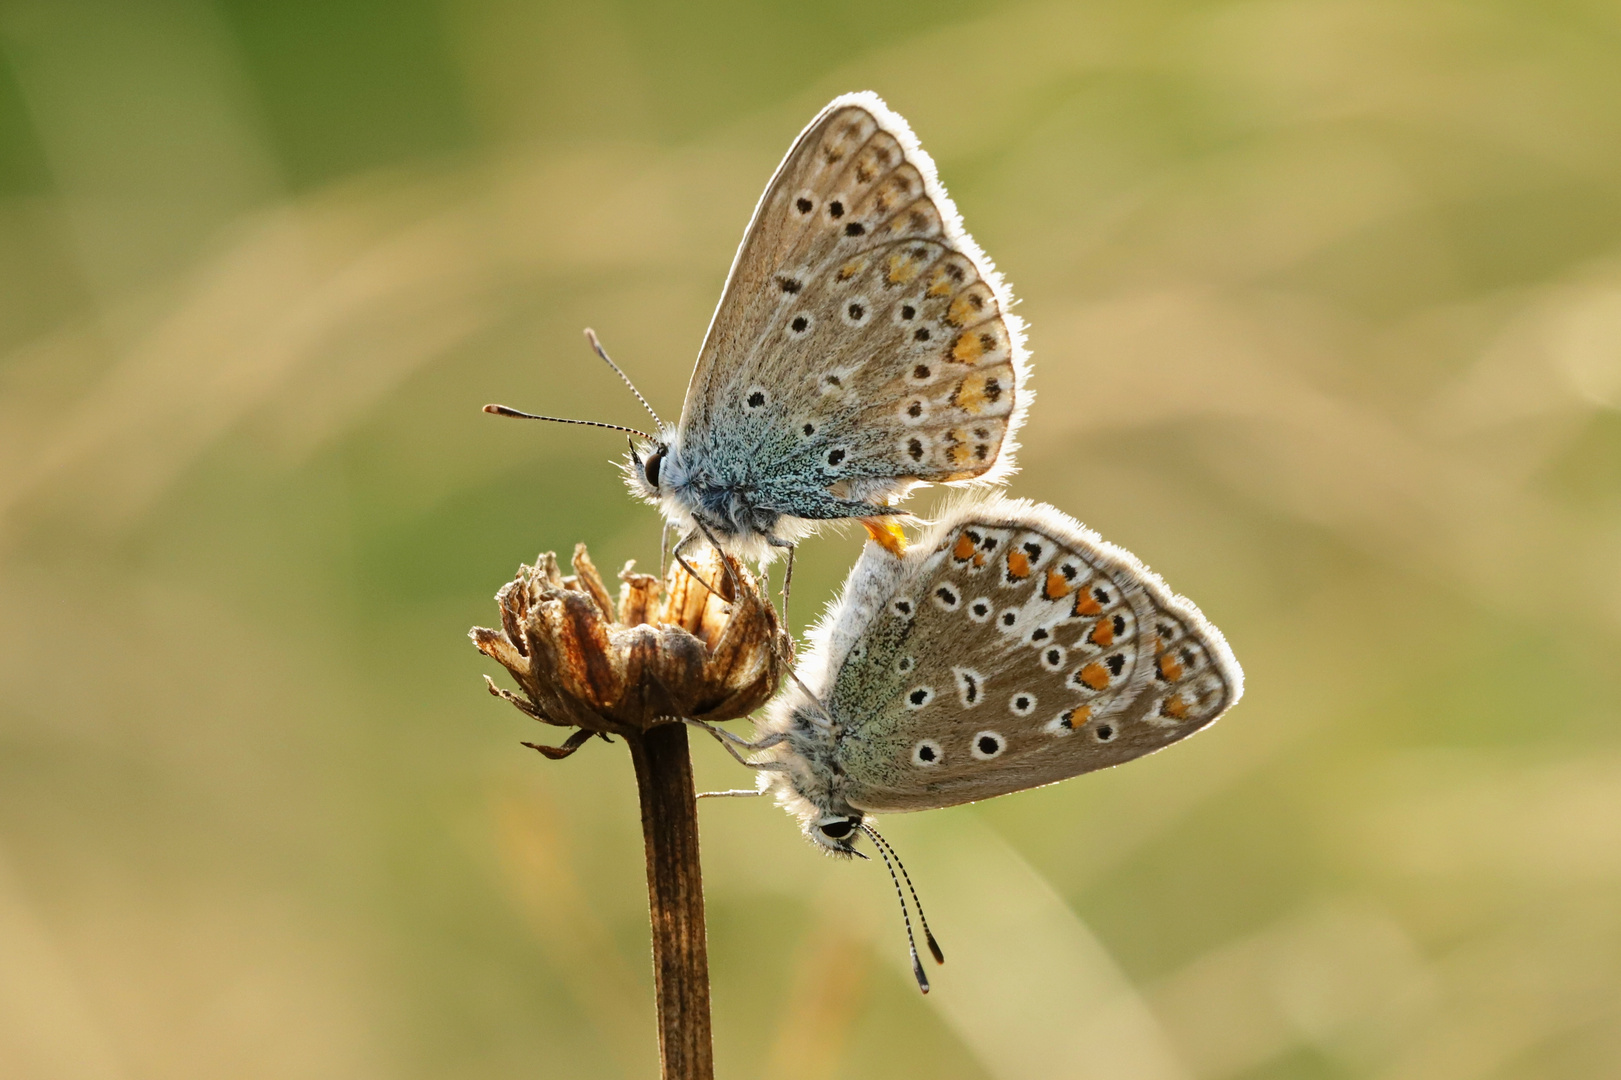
(863, 341)
(1011, 648)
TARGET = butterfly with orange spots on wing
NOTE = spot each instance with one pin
(863, 344)
(1009, 648)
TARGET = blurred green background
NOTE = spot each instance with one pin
(1325, 303)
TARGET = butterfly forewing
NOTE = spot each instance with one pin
(1015, 649)
(863, 341)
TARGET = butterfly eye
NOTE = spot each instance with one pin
(651, 468)
(837, 828)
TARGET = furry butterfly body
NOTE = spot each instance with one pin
(1011, 647)
(863, 344)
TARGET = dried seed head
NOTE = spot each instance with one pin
(656, 656)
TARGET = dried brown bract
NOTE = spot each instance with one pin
(656, 656)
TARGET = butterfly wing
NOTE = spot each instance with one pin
(863, 341)
(1011, 648)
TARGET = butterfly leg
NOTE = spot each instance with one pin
(737, 740)
(685, 565)
(734, 793)
(787, 580)
(732, 742)
(724, 561)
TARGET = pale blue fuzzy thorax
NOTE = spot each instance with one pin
(819, 745)
(753, 484)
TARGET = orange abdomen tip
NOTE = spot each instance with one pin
(887, 534)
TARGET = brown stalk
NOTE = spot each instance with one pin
(634, 669)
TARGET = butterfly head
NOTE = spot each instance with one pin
(651, 467)
(808, 778)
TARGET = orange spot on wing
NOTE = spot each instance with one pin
(973, 394)
(1086, 603)
(1175, 707)
(1018, 565)
(1169, 669)
(965, 548)
(1102, 634)
(979, 560)
(1095, 675)
(940, 284)
(886, 533)
(902, 268)
(851, 269)
(967, 348)
(1077, 716)
(963, 308)
(1057, 586)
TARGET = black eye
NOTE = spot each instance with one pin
(651, 468)
(836, 830)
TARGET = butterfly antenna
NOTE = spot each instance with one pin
(911, 942)
(928, 935)
(502, 410)
(596, 346)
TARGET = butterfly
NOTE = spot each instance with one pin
(863, 344)
(1009, 648)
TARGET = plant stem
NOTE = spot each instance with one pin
(675, 894)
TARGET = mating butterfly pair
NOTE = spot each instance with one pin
(863, 345)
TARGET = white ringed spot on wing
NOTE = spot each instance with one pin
(970, 686)
(987, 745)
(915, 448)
(914, 412)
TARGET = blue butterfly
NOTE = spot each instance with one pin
(863, 345)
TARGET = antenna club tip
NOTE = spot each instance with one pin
(934, 947)
(917, 972)
(492, 409)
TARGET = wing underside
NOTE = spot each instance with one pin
(862, 339)
(1016, 650)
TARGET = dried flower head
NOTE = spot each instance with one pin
(656, 656)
